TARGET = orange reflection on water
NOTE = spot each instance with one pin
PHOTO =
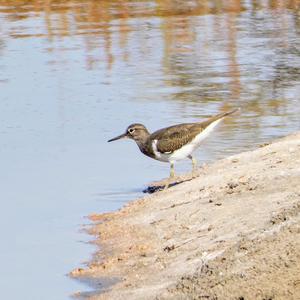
(107, 26)
(77, 17)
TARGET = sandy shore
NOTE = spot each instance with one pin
(233, 232)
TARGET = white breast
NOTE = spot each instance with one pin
(187, 149)
(158, 155)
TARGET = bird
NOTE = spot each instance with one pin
(173, 143)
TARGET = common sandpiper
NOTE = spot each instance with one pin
(173, 143)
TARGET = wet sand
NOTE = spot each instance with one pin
(233, 232)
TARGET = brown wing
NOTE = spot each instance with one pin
(172, 138)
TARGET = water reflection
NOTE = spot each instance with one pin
(226, 54)
(109, 24)
(75, 73)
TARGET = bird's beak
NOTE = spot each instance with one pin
(122, 136)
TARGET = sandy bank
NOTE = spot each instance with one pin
(231, 233)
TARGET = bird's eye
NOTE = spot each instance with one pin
(131, 130)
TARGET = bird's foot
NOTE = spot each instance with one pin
(195, 173)
(170, 182)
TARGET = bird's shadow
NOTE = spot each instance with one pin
(164, 184)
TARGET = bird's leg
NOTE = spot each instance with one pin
(172, 170)
(194, 164)
(172, 175)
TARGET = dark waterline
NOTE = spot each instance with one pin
(75, 73)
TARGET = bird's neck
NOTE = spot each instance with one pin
(142, 140)
(144, 144)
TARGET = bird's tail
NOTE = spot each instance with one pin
(219, 116)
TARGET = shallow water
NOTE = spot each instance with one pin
(75, 73)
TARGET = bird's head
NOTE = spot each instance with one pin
(137, 132)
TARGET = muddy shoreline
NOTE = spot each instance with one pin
(233, 232)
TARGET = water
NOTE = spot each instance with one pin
(75, 73)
